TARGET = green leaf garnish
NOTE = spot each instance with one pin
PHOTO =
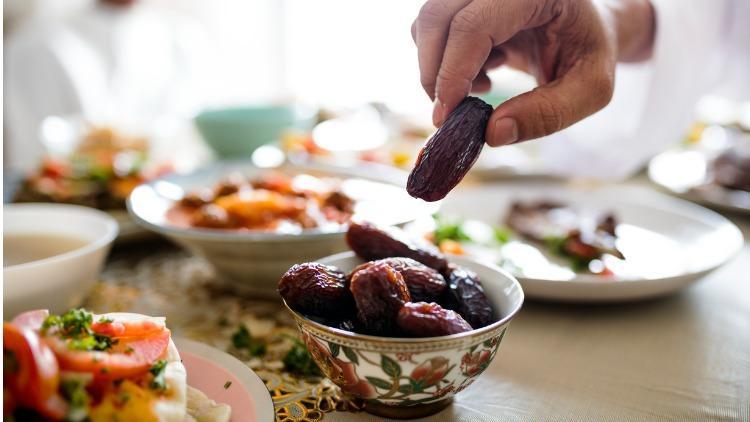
(448, 230)
(299, 360)
(75, 326)
(243, 340)
(74, 392)
(157, 370)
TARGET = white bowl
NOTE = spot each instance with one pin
(254, 261)
(411, 377)
(61, 281)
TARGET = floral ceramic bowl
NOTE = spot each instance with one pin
(411, 377)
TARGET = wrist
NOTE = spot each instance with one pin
(634, 24)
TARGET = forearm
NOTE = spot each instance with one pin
(634, 23)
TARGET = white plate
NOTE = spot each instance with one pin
(684, 172)
(669, 242)
(225, 379)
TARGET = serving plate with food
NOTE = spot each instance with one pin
(397, 323)
(79, 366)
(94, 166)
(584, 243)
(716, 176)
(253, 223)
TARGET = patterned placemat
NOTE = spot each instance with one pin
(165, 281)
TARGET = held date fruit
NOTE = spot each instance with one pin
(449, 154)
(379, 292)
(316, 289)
(372, 242)
(424, 283)
(465, 295)
(430, 320)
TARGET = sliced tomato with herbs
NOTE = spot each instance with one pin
(128, 357)
(114, 327)
(31, 372)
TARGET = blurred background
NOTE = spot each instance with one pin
(153, 66)
(200, 80)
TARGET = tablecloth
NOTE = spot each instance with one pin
(684, 357)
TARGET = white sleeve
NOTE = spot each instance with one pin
(653, 103)
(37, 85)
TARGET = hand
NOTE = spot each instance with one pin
(570, 46)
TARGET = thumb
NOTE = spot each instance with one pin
(584, 89)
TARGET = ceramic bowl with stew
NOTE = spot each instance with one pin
(52, 255)
(253, 261)
(411, 377)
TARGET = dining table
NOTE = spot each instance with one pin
(677, 358)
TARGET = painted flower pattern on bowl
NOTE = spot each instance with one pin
(401, 378)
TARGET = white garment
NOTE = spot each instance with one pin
(127, 66)
(701, 46)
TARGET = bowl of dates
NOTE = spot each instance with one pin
(253, 223)
(397, 324)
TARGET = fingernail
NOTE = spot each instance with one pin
(504, 132)
(437, 113)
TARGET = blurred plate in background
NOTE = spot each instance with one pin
(685, 172)
(668, 243)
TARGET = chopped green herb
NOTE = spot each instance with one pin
(105, 320)
(74, 392)
(93, 342)
(129, 350)
(75, 325)
(10, 362)
(557, 246)
(448, 230)
(299, 360)
(157, 370)
(227, 384)
(243, 340)
(502, 234)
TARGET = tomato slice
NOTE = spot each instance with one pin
(117, 328)
(34, 375)
(131, 356)
(31, 320)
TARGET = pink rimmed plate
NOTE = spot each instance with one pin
(225, 379)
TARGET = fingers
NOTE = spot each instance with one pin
(584, 89)
(430, 32)
(481, 83)
(474, 31)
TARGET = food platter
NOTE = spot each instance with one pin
(253, 260)
(668, 243)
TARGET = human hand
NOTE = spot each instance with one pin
(570, 46)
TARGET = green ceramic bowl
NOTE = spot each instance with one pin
(238, 131)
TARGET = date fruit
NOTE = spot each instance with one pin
(424, 283)
(465, 295)
(316, 289)
(371, 242)
(423, 319)
(449, 154)
(379, 292)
